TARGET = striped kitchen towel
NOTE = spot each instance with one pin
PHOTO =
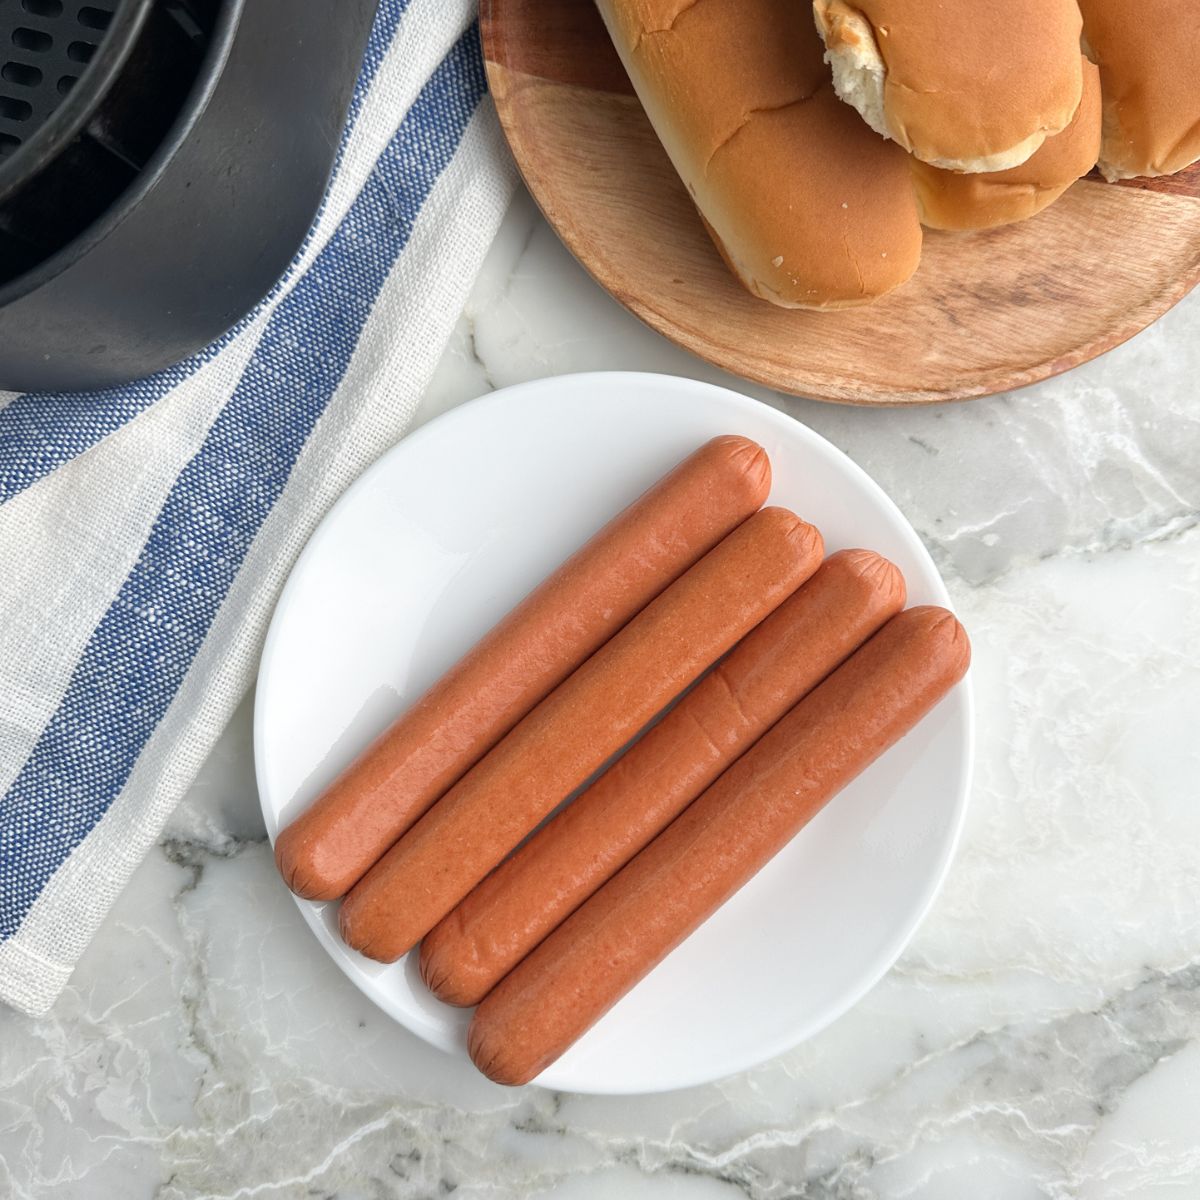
(145, 531)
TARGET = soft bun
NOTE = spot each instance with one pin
(808, 207)
(948, 200)
(972, 85)
(1150, 74)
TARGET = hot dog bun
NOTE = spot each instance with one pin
(1150, 73)
(809, 208)
(950, 200)
(976, 85)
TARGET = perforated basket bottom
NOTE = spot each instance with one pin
(48, 196)
(44, 47)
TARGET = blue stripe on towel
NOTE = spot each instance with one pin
(41, 431)
(140, 652)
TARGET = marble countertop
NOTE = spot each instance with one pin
(1039, 1039)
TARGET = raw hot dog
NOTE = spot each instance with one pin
(576, 729)
(525, 898)
(632, 923)
(328, 848)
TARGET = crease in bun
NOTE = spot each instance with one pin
(640, 19)
(974, 86)
(749, 115)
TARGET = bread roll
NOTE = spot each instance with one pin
(970, 85)
(808, 207)
(1150, 74)
(949, 200)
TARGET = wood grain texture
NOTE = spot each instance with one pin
(986, 312)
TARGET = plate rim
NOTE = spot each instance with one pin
(789, 427)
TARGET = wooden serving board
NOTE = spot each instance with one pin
(986, 311)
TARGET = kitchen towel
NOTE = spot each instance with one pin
(145, 531)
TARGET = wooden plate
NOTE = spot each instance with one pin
(986, 311)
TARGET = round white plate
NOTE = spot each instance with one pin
(440, 539)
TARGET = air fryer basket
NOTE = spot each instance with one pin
(160, 162)
(87, 92)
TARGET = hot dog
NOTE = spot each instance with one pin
(634, 921)
(327, 849)
(526, 897)
(576, 729)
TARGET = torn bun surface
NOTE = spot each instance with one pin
(970, 85)
(949, 200)
(1149, 62)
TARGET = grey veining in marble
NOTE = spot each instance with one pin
(1039, 1039)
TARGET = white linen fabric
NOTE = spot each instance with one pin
(145, 531)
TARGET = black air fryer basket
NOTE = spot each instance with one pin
(160, 163)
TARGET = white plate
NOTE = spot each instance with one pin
(441, 538)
